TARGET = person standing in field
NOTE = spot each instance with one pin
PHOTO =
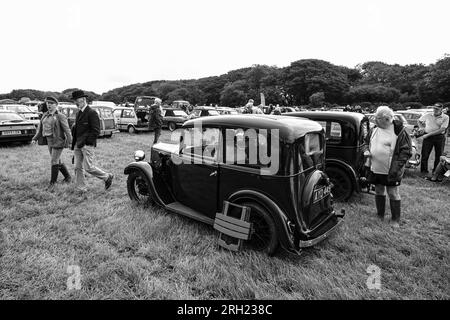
(54, 131)
(388, 147)
(85, 133)
(434, 125)
(156, 120)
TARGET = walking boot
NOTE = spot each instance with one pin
(53, 177)
(395, 212)
(65, 173)
(380, 203)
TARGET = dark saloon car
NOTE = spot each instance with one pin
(345, 138)
(173, 118)
(204, 111)
(14, 128)
(223, 161)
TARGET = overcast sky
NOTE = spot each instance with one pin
(99, 45)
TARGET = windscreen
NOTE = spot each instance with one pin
(6, 116)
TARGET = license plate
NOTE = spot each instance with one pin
(321, 193)
(9, 133)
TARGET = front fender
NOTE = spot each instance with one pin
(347, 168)
(145, 168)
(280, 218)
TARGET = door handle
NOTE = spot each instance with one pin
(213, 174)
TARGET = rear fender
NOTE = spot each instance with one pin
(281, 220)
(145, 168)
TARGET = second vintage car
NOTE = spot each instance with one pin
(345, 138)
(268, 166)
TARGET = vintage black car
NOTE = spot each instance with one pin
(345, 134)
(14, 128)
(214, 165)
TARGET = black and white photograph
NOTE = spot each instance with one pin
(223, 156)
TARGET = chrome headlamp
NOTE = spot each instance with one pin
(139, 155)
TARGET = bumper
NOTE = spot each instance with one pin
(21, 138)
(323, 236)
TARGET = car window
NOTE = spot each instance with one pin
(72, 112)
(364, 132)
(118, 113)
(107, 113)
(168, 113)
(128, 114)
(243, 147)
(333, 131)
(179, 113)
(207, 147)
(214, 113)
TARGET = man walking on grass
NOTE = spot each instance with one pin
(155, 119)
(85, 132)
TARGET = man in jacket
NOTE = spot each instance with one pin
(85, 132)
(389, 147)
(156, 120)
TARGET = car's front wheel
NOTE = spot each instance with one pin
(342, 185)
(264, 236)
(138, 187)
(172, 126)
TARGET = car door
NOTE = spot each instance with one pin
(118, 114)
(196, 177)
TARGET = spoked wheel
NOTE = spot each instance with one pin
(265, 234)
(139, 188)
(342, 185)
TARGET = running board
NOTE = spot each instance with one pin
(188, 212)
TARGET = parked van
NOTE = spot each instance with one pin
(107, 122)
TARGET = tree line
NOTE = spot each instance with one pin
(304, 82)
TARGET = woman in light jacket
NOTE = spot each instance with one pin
(388, 148)
(54, 131)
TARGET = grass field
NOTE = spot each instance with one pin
(129, 252)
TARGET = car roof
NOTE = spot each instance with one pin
(290, 129)
(336, 115)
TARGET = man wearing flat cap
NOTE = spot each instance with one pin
(85, 132)
(434, 125)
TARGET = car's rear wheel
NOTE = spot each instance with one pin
(342, 185)
(131, 129)
(172, 126)
(264, 236)
(138, 187)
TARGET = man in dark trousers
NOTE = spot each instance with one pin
(434, 125)
(156, 120)
(85, 132)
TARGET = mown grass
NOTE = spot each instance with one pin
(130, 252)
